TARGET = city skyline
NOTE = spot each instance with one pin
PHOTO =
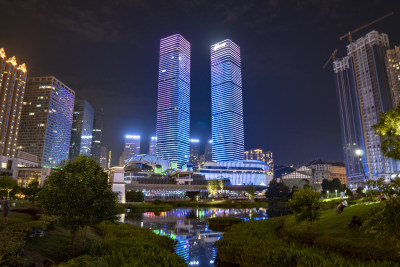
(289, 101)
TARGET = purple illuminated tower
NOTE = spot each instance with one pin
(226, 102)
(173, 106)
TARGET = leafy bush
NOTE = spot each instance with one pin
(134, 196)
(305, 205)
(222, 223)
(128, 245)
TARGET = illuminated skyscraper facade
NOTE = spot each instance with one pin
(82, 128)
(357, 119)
(103, 157)
(173, 106)
(97, 134)
(12, 87)
(153, 145)
(393, 69)
(46, 120)
(226, 102)
(132, 146)
(194, 156)
(259, 154)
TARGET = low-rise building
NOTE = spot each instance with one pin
(328, 170)
(300, 177)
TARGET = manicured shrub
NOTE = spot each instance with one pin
(129, 245)
(134, 196)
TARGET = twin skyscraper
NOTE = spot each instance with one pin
(173, 106)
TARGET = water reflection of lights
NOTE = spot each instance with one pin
(189, 228)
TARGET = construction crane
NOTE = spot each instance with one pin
(332, 57)
(349, 35)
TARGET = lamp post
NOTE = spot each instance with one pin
(327, 191)
(359, 152)
(336, 192)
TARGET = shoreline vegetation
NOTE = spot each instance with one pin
(168, 205)
(330, 241)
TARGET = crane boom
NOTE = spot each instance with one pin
(333, 57)
(366, 25)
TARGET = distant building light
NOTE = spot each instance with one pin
(194, 140)
(218, 46)
(128, 136)
(210, 141)
(154, 138)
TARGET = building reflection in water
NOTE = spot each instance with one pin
(189, 228)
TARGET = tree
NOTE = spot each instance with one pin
(332, 185)
(276, 190)
(389, 131)
(212, 187)
(133, 196)
(251, 191)
(80, 194)
(7, 184)
(221, 184)
(32, 191)
(192, 194)
(360, 190)
(306, 206)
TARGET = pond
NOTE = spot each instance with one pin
(189, 227)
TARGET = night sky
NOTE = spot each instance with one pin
(107, 51)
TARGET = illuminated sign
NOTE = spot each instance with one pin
(218, 46)
(128, 136)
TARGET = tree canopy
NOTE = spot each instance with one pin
(276, 190)
(388, 128)
(332, 185)
(305, 205)
(79, 192)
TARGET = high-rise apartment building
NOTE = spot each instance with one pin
(46, 120)
(194, 156)
(259, 154)
(153, 145)
(109, 160)
(97, 134)
(226, 102)
(132, 146)
(103, 157)
(82, 128)
(208, 151)
(359, 110)
(173, 106)
(393, 70)
(12, 87)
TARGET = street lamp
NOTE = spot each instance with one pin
(327, 191)
(336, 192)
(359, 152)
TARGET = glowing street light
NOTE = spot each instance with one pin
(327, 191)
(336, 192)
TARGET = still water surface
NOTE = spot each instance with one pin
(189, 227)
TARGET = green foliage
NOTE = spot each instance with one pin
(305, 205)
(7, 184)
(389, 131)
(128, 245)
(332, 185)
(80, 194)
(12, 239)
(360, 190)
(134, 196)
(212, 187)
(277, 190)
(192, 194)
(251, 191)
(32, 191)
(222, 223)
(348, 192)
(257, 244)
(385, 219)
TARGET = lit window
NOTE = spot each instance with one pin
(31, 113)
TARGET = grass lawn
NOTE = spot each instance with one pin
(55, 245)
(14, 217)
(330, 231)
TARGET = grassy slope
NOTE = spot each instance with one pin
(330, 234)
(55, 245)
